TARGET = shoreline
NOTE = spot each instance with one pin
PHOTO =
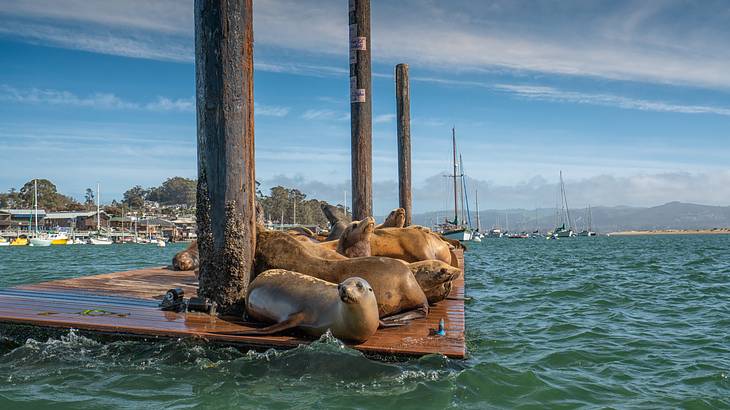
(714, 231)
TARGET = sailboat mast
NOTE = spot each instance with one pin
(565, 201)
(479, 224)
(98, 218)
(456, 198)
(35, 201)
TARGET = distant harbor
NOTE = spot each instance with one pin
(713, 231)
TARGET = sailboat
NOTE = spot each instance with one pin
(99, 239)
(563, 231)
(476, 236)
(454, 229)
(38, 240)
(589, 231)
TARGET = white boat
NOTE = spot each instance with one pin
(462, 234)
(161, 243)
(100, 240)
(4, 242)
(40, 241)
(456, 229)
(563, 231)
(589, 231)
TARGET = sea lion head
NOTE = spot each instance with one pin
(355, 290)
(396, 218)
(355, 240)
(184, 261)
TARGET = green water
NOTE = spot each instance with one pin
(641, 322)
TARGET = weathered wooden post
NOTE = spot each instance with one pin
(226, 190)
(360, 109)
(403, 106)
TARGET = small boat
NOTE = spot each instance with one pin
(58, 238)
(589, 231)
(40, 241)
(4, 242)
(522, 235)
(161, 243)
(100, 240)
(21, 240)
(461, 234)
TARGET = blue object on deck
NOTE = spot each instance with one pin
(442, 328)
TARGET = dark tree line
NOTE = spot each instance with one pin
(282, 202)
(49, 198)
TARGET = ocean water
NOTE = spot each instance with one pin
(634, 322)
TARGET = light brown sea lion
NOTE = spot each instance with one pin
(294, 300)
(338, 221)
(396, 219)
(435, 278)
(355, 240)
(410, 245)
(187, 259)
(395, 287)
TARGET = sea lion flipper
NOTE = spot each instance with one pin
(384, 325)
(419, 313)
(291, 322)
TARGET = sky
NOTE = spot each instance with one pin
(630, 99)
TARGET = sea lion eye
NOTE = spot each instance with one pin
(370, 289)
(359, 285)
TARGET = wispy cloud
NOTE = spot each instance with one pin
(110, 101)
(325, 114)
(633, 40)
(384, 118)
(270, 110)
(56, 97)
(543, 93)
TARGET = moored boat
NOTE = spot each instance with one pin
(40, 241)
(21, 240)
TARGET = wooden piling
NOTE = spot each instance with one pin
(360, 109)
(226, 173)
(403, 106)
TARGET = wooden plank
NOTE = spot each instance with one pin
(134, 295)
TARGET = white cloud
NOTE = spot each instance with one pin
(56, 97)
(641, 41)
(325, 114)
(553, 94)
(383, 118)
(111, 101)
(270, 110)
(167, 104)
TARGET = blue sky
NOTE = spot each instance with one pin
(630, 99)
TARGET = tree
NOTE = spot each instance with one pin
(175, 191)
(135, 196)
(89, 198)
(48, 196)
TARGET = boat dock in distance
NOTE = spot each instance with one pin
(125, 304)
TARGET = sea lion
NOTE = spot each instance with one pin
(355, 240)
(294, 300)
(338, 222)
(395, 287)
(396, 219)
(435, 278)
(303, 231)
(410, 245)
(187, 259)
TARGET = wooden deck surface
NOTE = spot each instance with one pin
(126, 303)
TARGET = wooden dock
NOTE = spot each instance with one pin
(126, 304)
